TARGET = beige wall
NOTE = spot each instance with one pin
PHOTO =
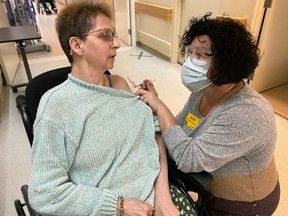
(273, 68)
(155, 32)
(162, 35)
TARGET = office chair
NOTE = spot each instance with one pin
(27, 105)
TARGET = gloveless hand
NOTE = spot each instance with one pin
(148, 95)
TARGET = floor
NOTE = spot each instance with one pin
(132, 62)
(278, 99)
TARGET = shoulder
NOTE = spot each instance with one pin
(254, 101)
(119, 82)
(248, 107)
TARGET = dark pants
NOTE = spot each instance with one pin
(265, 207)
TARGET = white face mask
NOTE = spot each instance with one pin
(193, 74)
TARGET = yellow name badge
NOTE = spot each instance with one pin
(192, 121)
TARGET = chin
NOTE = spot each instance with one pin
(110, 66)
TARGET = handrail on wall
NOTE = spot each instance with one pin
(161, 12)
(242, 20)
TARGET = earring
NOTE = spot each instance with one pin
(71, 52)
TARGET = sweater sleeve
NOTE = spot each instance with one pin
(50, 190)
(229, 133)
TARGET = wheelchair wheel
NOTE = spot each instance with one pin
(182, 201)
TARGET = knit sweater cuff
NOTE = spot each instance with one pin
(107, 204)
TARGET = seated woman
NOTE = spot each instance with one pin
(94, 149)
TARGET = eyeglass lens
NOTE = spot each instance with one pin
(108, 35)
(197, 52)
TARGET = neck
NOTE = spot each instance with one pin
(220, 93)
(92, 77)
(214, 95)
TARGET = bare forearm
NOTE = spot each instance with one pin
(165, 117)
(161, 184)
(163, 202)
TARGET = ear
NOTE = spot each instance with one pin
(75, 46)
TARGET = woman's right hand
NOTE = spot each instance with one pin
(136, 207)
(148, 86)
(148, 95)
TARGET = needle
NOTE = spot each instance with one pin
(134, 85)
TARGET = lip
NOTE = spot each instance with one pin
(113, 56)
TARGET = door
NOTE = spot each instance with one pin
(122, 20)
(272, 70)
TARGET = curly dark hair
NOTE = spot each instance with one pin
(78, 18)
(235, 54)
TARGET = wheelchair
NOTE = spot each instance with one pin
(180, 183)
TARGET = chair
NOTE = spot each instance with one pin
(27, 105)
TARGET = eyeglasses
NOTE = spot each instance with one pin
(198, 52)
(106, 34)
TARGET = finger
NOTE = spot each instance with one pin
(140, 92)
(150, 85)
(145, 81)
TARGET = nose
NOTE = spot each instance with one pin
(196, 54)
(116, 42)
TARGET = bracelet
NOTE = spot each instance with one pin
(121, 200)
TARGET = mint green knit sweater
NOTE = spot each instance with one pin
(91, 145)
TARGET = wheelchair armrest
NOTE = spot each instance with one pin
(24, 190)
(22, 108)
(195, 182)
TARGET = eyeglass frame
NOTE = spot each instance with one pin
(114, 34)
(209, 52)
